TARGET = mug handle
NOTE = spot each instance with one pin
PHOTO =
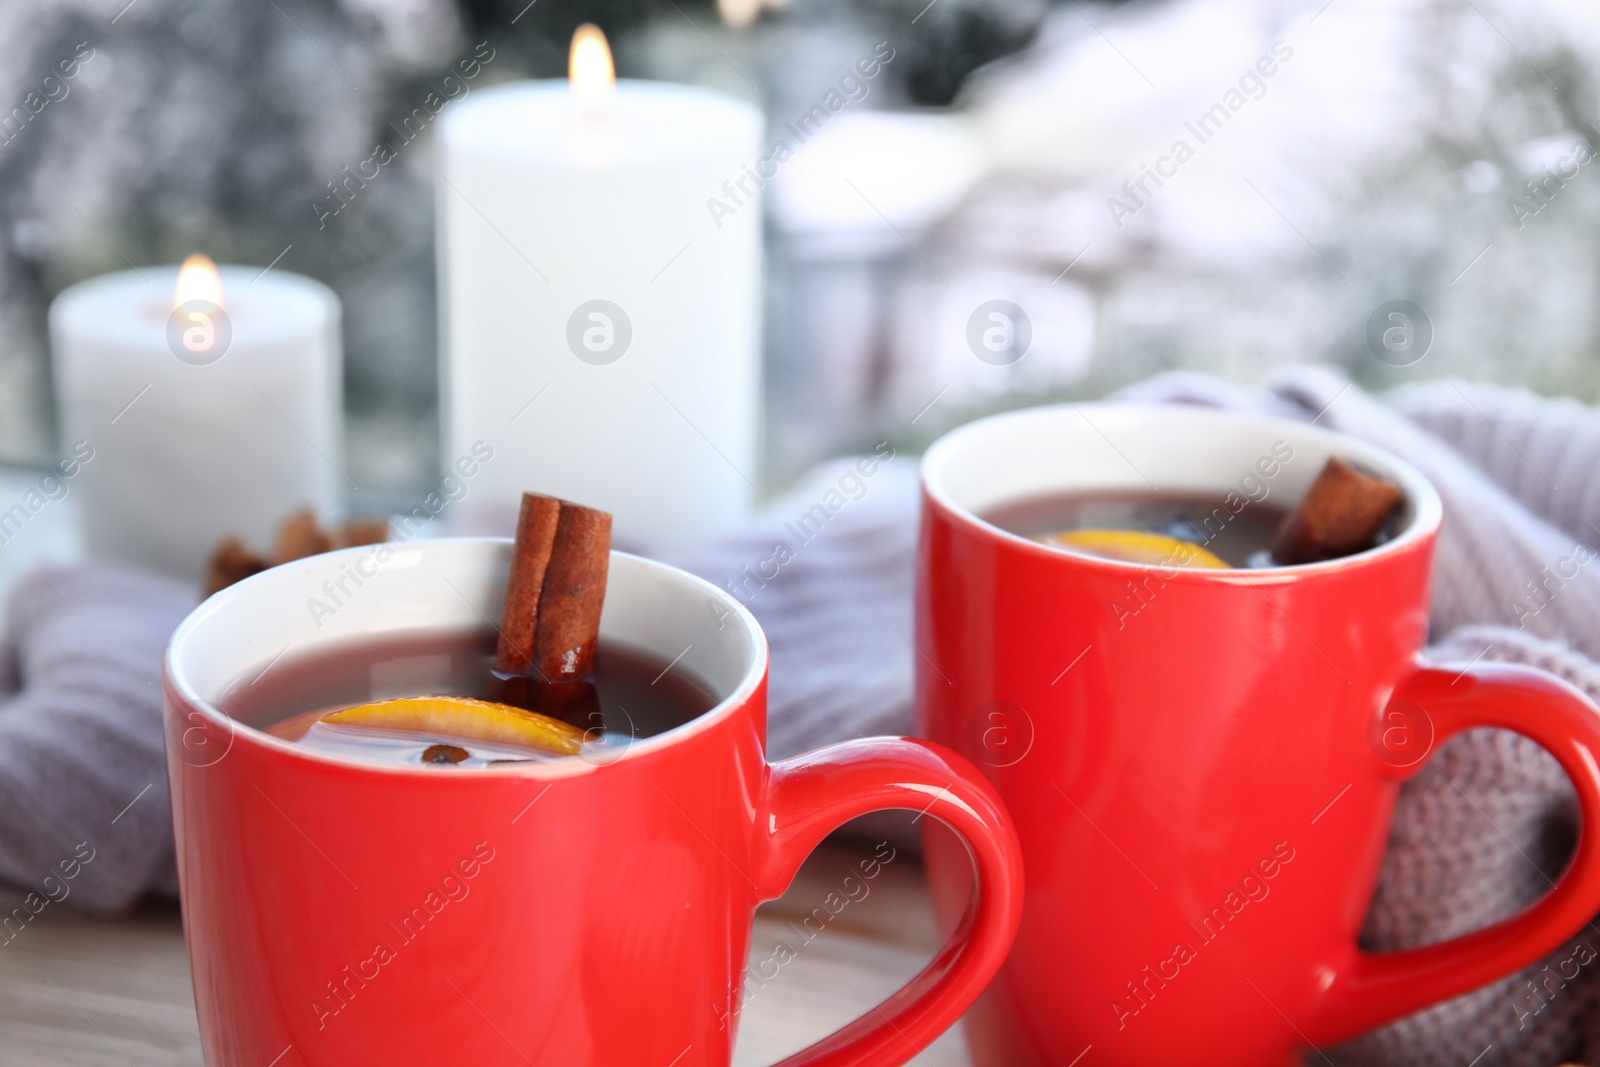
(1377, 988)
(811, 795)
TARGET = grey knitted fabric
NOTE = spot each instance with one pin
(837, 613)
(82, 769)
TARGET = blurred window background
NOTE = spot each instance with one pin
(987, 203)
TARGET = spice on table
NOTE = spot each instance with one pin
(299, 536)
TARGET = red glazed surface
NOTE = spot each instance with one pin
(575, 914)
(1202, 781)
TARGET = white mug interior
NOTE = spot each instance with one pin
(451, 586)
(1074, 448)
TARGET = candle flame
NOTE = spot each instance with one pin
(198, 279)
(739, 13)
(589, 67)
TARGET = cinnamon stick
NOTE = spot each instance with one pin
(551, 622)
(530, 559)
(1340, 515)
(574, 592)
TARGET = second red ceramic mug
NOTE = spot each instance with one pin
(582, 914)
(1202, 764)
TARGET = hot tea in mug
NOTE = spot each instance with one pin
(1178, 641)
(409, 836)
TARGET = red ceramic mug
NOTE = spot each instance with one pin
(574, 913)
(1203, 764)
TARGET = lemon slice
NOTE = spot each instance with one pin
(1136, 546)
(465, 719)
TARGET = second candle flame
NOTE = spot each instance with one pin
(198, 279)
(589, 68)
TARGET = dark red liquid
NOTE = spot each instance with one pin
(1241, 535)
(639, 695)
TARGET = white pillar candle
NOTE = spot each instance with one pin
(600, 314)
(189, 445)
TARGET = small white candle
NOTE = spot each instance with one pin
(202, 423)
(600, 315)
